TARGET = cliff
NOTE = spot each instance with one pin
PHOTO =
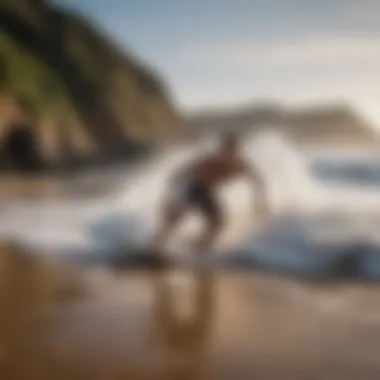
(322, 124)
(84, 95)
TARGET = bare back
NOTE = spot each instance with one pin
(216, 169)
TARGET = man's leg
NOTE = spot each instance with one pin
(207, 240)
(213, 214)
(172, 215)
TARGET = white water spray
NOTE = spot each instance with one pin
(136, 209)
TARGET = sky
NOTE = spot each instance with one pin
(229, 52)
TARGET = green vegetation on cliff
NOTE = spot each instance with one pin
(30, 78)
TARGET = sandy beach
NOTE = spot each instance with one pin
(59, 321)
(186, 325)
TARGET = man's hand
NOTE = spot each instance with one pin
(261, 207)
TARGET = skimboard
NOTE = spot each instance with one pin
(194, 260)
(142, 259)
(149, 259)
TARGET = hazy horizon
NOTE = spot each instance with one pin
(221, 53)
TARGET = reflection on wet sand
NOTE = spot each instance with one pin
(185, 336)
(176, 325)
(28, 284)
(134, 331)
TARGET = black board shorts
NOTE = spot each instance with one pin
(200, 197)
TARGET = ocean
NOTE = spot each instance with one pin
(325, 209)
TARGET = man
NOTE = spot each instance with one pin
(194, 187)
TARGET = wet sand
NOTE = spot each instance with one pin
(49, 187)
(186, 325)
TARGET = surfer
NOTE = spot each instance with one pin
(193, 187)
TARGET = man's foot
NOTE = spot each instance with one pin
(155, 253)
